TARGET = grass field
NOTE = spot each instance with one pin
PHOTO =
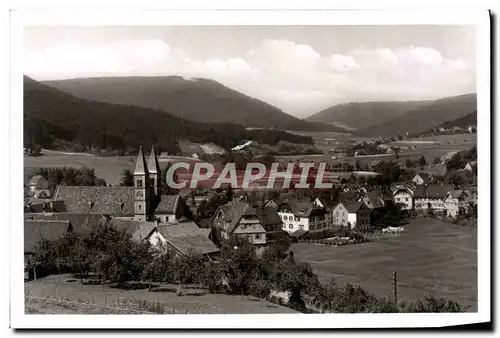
(430, 257)
(194, 300)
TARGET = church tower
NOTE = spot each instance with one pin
(142, 195)
(155, 174)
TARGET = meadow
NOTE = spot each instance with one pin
(430, 257)
(63, 294)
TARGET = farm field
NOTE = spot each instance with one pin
(430, 257)
(194, 300)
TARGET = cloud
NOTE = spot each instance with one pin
(294, 77)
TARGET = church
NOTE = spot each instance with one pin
(143, 201)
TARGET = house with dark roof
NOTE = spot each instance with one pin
(431, 196)
(34, 205)
(376, 198)
(403, 195)
(352, 215)
(422, 178)
(38, 182)
(457, 202)
(181, 238)
(302, 214)
(37, 230)
(80, 222)
(240, 219)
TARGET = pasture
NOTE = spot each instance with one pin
(430, 257)
(47, 293)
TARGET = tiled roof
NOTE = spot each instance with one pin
(301, 207)
(128, 225)
(298, 233)
(143, 231)
(185, 236)
(233, 212)
(117, 201)
(80, 222)
(352, 207)
(267, 216)
(457, 193)
(432, 191)
(167, 205)
(375, 199)
(37, 181)
(36, 230)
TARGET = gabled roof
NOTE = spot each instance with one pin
(185, 236)
(432, 191)
(353, 207)
(143, 231)
(36, 181)
(153, 165)
(80, 222)
(298, 233)
(457, 193)
(167, 205)
(375, 198)
(116, 200)
(234, 211)
(141, 167)
(36, 230)
(425, 176)
(328, 203)
(301, 207)
(405, 188)
(268, 216)
(127, 225)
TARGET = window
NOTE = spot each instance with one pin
(296, 219)
(139, 207)
(301, 227)
(284, 226)
(337, 213)
(257, 236)
(406, 199)
(285, 218)
(290, 226)
(139, 183)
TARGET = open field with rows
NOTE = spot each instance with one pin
(430, 256)
(194, 299)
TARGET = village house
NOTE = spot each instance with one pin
(422, 178)
(34, 232)
(375, 198)
(431, 196)
(38, 187)
(181, 238)
(238, 219)
(471, 167)
(403, 195)
(456, 203)
(302, 214)
(328, 204)
(353, 215)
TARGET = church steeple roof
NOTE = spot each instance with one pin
(153, 165)
(140, 164)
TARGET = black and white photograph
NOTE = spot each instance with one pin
(311, 166)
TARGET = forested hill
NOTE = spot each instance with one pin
(425, 117)
(197, 99)
(50, 115)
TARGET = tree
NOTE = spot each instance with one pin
(409, 163)
(422, 162)
(127, 178)
(400, 137)
(396, 152)
(437, 160)
(358, 165)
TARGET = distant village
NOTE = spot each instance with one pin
(182, 221)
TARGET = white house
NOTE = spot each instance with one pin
(403, 195)
(456, 203)
(302, 215)
(353, 215)
(431, 196)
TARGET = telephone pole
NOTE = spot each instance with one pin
(394, 278)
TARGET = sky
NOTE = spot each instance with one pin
(300, 69)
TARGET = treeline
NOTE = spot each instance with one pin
(67, 176)
(462, 122)
(50, 114)
(112, 256)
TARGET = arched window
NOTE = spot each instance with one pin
(139, 207)
(285, 218)
(139, 183)
(290, 226)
